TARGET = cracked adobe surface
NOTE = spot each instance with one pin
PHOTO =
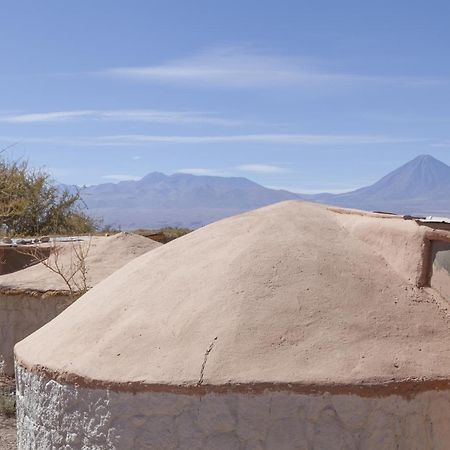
(299, 296)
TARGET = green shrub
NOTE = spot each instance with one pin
(32, 204)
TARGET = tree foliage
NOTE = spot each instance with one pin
(32, 204)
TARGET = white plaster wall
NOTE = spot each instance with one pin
(21, 315)
(57, 416)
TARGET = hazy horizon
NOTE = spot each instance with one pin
(117, 180)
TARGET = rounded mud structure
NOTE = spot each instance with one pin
(33, 296)
(293, 326)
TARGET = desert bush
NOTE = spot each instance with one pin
(32, 204)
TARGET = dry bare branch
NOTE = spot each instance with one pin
(73, 272)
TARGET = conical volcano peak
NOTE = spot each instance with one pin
(427, 170)
(421, 186)
(421, 176)
(427, 161)
(425, 158)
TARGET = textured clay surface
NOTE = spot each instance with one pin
(21, 315)
(34, 296)
(63, 417)
(105, 256)
(291, 293)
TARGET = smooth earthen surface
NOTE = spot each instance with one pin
(32, 297)
(104, 256)
(290, 327)
(21, 315)
(291, 293)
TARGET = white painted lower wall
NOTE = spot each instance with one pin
(21, 315)
(61, 416)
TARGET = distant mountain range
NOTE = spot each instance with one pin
(181, 199)
(421, 186)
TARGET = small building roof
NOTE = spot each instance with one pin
(104, 255)
(294, 294)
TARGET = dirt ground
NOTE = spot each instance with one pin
(7, 433)
(7, 424)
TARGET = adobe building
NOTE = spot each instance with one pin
(294, 326)
(33, 294)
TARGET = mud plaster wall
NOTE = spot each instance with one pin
(21, 315)
(13, 259)
(60, 416)
(404, 250)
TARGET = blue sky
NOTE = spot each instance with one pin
(303, 95)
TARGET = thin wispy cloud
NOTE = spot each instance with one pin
(121, 177)
(441, 144)
(320, 188)
(223, 67)
(312, 191)
(306, 139)
(261, 168)
(198, 171)
(285, 139)
(140, 115)
(241, 68)
(60, 116)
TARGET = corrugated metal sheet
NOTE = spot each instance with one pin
(433, 219)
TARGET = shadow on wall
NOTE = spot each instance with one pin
(23, 314)
(440, 275)
(17, 258)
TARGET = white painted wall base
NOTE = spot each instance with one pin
(60, 416)
(21, 315)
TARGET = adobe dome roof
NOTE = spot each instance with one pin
(294, 294)
(104, 255)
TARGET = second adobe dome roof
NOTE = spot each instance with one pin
(290, 293)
